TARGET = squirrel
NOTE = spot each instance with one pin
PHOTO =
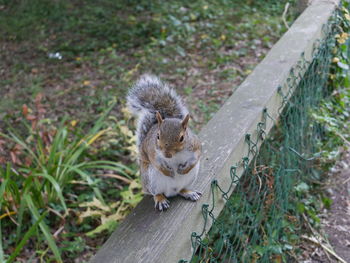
(169, 152)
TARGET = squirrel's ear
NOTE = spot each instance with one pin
(159, 118)
(185, 121)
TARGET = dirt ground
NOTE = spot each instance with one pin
(336, 220)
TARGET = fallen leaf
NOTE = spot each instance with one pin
(126, 131)
(89, 213)
(73, 123)
(126, 112)
(2, 160)
(25, 110)
(347, 17)
(109, 225)
(38, 98)
(96, 203)
(30, 117)
(14, 158)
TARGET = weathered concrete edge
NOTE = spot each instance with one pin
(149, 236)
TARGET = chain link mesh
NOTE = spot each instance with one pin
(255, 224)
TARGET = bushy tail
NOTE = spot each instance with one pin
(149, 95)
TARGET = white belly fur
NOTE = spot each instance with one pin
(171, 186)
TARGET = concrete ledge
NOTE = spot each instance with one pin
(150, 236)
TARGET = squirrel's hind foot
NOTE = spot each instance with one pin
(190, 195)
(160, 202)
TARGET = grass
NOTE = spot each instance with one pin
(116, 22)
(201, 45)
(69, 176)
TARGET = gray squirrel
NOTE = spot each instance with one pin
(169, 152)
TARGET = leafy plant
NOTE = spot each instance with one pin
(334, 114)
(53, 159)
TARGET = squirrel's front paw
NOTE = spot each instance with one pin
(169, 173)
(186, 167)
(190, 195)
(160, 202)
(166, 169)
(183, 168)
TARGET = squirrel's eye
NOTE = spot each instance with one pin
(181, 138)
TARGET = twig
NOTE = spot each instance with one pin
(116, 176)
(57, 213)
(345, 181)
(330, 251)
(58, 232)
(284, 15)
(7, 214)
(316, 235)
(315, 239)
(343, 138)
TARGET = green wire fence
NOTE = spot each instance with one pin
(257, 220)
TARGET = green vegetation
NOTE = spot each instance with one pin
(334, 116)
(334, 113)
(54, 173)
(68, 169)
